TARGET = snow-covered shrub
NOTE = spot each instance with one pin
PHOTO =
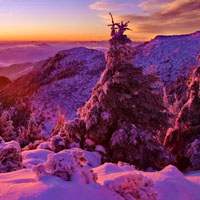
(193, 153)
(60, 124)
(89, 144)
(72, 131)
(33, 145)
(10, 156)
(35, 130)
(138, 147)
(34, 157)
(133, 186)
(57, 143)
(44, 145)
(75, 131)
(68, 134)
(69, 165)
(7, 130)
(100, 149)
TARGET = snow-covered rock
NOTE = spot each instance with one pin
(68, 165)
(34, 157)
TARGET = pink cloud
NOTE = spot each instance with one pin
(106, 5)
(157, 16)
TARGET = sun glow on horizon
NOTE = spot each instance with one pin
(44, 20)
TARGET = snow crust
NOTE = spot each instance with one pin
(169, 56)
(170, 184)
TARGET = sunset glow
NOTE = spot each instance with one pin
(50, 20)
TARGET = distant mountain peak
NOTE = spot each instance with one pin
(160, 37)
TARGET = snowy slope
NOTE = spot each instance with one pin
(84, 67)
(169, 56)
(16, 70)
(23, 185)
(170, 184)
(65, 80)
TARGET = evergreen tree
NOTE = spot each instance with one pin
(7, 130)
(183, 139)
(124, 105)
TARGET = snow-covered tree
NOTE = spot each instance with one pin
(192, 151)
(122, 97)
(67, 134)
(33, 132)
(7, 130)
(138, 147)
(187, 127)
(60, 124)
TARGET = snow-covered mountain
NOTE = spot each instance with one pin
(26, 53)
(20, 52)
(64, 80)
(169, 56)
(17, 70)
(71, 76)
(67, 78)
(51, 168)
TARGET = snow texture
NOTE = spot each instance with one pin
(169, 56)
(68, 165)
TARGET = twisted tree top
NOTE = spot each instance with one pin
(118, 29)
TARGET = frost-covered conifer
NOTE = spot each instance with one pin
(7, 130)
(123, 97)
(68, 134)
(58, 129)
(192, 152)
(181, 138)
(33, 132)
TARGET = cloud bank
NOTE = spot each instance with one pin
(157, 17)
